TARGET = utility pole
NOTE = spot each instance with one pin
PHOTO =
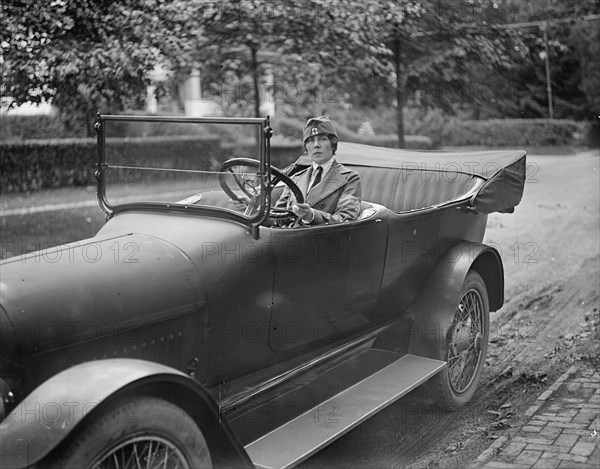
(399, 88)
(543, 25)
(544, 28)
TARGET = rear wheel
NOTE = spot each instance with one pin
(466, 346)
(144, 432)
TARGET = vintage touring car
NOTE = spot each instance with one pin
(196, 329)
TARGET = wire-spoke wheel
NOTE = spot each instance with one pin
(466, 346)
(143, 452)
(134, 433)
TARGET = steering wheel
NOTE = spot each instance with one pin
(251, 186)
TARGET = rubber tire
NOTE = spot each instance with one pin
(143, 416)
(439, 386)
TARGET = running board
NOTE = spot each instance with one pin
(303, 436)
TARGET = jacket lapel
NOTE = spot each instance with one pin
(330, 183)
(302, 179)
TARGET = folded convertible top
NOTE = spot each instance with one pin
(502, 170)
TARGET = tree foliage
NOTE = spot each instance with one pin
(425, 49)
(456, 55)
(521, 90)
(309, 47)
(85, 55)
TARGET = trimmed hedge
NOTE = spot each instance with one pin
(292, 128)
(40, 164)
(288, 128)
(440, 129)
(412, 142)
(51, 126)
(27, 165)
(30, 165)
(32, 127)
(515, 132)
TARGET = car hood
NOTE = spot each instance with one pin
(94, 288)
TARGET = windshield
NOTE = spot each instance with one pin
(183, 164)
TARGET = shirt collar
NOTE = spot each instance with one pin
(325, 166)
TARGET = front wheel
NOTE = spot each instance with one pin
(143, 432)
(466, 346)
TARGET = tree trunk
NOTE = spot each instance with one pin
(399, 91)
(255, 78)
(90, 120)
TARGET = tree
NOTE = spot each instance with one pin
(420, 49)
(428, 47)
(572, 59)
(85, 56)
(306, 45)
(585, 39)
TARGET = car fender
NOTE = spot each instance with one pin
(431, 315)
(54, 409)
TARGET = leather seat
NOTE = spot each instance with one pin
(404, 190)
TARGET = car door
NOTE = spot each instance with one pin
(368, 246)
(311, 268)
(326, 282)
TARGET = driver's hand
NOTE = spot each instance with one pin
(241, 204)
(304, 212)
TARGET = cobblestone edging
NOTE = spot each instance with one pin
(563, 430)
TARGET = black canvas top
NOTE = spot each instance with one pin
(502, 170)
(479, 163)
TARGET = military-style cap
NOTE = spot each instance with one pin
(318, 126)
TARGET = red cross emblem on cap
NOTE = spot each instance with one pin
(314, 131)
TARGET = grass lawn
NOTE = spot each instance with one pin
(25, 233)
(22, 233)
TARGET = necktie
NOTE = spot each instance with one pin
(317, 178)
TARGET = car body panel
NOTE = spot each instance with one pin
(107, 299)
(55, 409)
(432, 314)
(313, 309)
(236, 326)
(243, 312)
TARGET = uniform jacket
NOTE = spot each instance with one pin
(335, 199)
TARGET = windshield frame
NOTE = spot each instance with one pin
(264, 172)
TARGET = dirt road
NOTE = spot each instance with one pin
(550, 248)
